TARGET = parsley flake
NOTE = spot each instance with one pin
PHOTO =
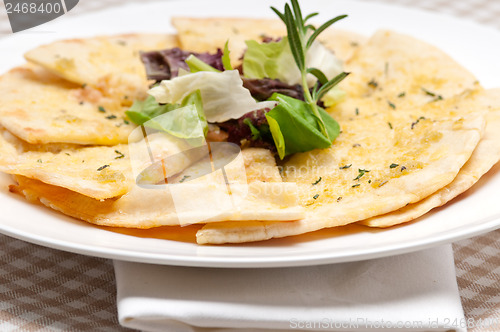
(317, 181)
(361, 172)
(111, 117)
(394, 165)
(432, 94)
(316, 196)
(120, 155)
(184, 178)
(416, 122)
(345, 166)
(101, 109)
(429, 93)
(373, 83)
(102, 167)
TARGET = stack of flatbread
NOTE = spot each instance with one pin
(417, 130)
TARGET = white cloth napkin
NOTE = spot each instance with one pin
(416, 290)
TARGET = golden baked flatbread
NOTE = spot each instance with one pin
(486, 154)
(267, 198)
(110, 64)
(412, 123)
(399, 140)
(210, 34)
(147, 208)
(40, 107)
(355, 179)
(393, 71)
(99, 172)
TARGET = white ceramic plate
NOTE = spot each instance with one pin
(475, 212)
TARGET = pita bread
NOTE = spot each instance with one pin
(40, 107)
(210, 34)
(390, 153)
(428, 158)
(146, 207)
(99, 172)
(393, 71)
(110, 64)
(486, 154)
(342, 42)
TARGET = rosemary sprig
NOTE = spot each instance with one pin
(301, 37)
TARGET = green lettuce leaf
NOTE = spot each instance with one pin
(226, 60)
(223, 94)
(275, 60)
(196, 65)
(295, 129)
(184, 120)
(143, 111)
(272, 60)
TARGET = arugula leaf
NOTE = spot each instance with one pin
(295, 129)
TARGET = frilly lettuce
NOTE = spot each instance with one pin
(223, 94)
(184, 120)
(275, 60)
(270, 60)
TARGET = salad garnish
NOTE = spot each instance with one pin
(300, 41)
(274, 99)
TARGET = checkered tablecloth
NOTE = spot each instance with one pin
(51, 290)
